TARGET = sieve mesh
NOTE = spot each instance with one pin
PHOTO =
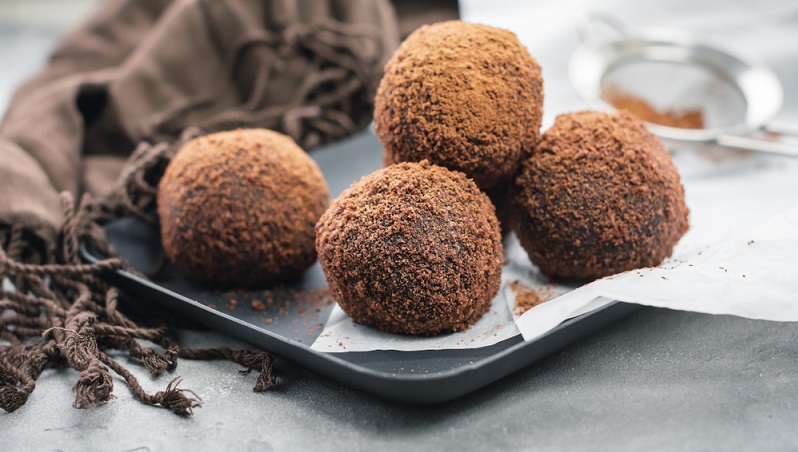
(676, 89)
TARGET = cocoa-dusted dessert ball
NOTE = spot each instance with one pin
(239, 208)
(598, 196)
(413, 248)
(465, 96)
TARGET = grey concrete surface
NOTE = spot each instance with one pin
(658, 380)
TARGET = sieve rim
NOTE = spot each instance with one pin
(756, 82)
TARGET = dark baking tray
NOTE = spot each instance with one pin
(421, 377)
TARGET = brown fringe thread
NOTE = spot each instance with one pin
(62, 313)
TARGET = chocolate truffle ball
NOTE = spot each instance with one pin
(598, 196)
(239, 208)
(413, 248)
(465, 96)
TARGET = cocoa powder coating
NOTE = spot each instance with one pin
(239, 208)
(598, 196)
(413, 248)
(465, 96)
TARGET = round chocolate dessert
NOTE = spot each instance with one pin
(465, 96)
(599, 195)
(413, 248)
(239, 208)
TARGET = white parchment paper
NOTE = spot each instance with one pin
(342, 335)
(747, 275)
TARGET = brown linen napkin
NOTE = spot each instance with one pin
(135, 81)
(144, 70)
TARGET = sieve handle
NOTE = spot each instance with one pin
(586, 29)
(766, 145)
(781, 128)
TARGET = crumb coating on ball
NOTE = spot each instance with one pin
(413, 248)
(239, 208)
(598, 196)
(465, 96)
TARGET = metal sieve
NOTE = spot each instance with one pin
(675, 71)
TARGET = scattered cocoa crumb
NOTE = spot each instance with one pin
(664, 278)
(527, 298)
(297, 306)
(213, 306)
(683, 119)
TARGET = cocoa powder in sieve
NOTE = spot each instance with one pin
(691, 118)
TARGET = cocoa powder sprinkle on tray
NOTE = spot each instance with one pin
(279, 306)
(527, 298)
